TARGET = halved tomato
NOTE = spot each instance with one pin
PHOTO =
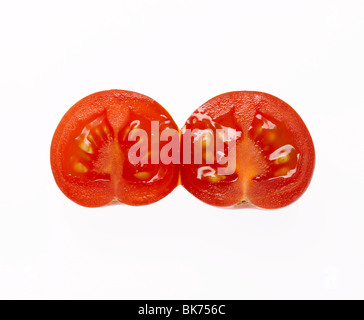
(272, 156)
(91, 146)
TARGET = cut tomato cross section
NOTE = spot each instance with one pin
(91, 146)
(273, 155)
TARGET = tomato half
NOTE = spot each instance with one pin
(273, 150)
(90, 151)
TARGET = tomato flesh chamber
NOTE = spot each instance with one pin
(272, 140)
(89, 154)
(209, 148)
(145, 170)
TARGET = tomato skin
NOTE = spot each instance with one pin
(116, 106)
(266, 191)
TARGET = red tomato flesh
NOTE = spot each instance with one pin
(89, 152)
(275, 155)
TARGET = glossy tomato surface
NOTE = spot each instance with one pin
(273, 150)
(90, 151)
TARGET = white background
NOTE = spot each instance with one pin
(181, 53)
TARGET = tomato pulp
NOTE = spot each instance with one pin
(89, 152)
(273, 149)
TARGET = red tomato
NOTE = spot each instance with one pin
(89, 153)
(275, 155)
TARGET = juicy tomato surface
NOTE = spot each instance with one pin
(274, 152)
(89, 152)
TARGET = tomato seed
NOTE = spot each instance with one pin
(81, 168)
(144, 175)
